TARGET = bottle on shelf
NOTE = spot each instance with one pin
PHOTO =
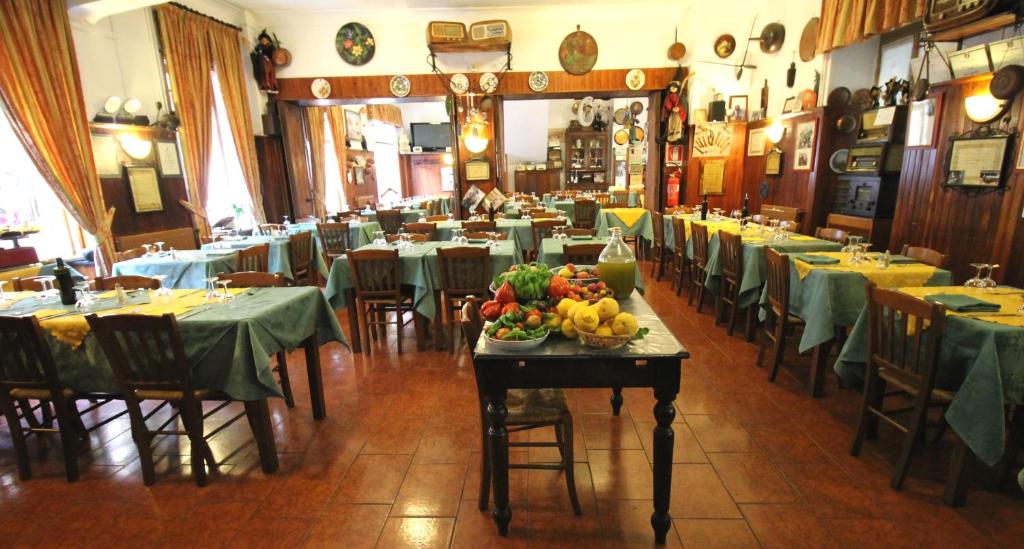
(64, 283)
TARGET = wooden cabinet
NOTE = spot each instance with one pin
(422, 173)
(538, 181)
(273, 178)
(588, 160)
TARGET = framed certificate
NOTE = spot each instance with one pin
(712, 177)
(977, 161)
(145, 187)
(970, 61)
(167, 156)
(478, 170)
(105, 154)
(773, 163)
(923, 121)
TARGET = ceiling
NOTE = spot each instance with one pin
(329, 5)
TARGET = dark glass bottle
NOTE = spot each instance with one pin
(704, 208)
(64, 283)
(745, 211)
(490, 212)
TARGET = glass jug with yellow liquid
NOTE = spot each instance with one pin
(617, 266)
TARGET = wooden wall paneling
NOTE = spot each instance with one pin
(654, 172)
(368, 189)
(538, 181)
(274, 186)
(463, 154)
(293, 128)
(421, 173)
(732, 197)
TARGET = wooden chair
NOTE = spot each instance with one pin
(830, 233)
(465, 271)
(128, 282)
(29, 283)
(437, 218)
(699, 264)
(658, 252)
(479, 225)
(300, 255)
(778, 320)
(486, 234)
(730, 255)
(335, 240)
(675, 210)
(147, 355)
(576, 231)
(904, 338)
(527, 409)
(545, 215)
(28, 372)
(795, 216)
(582, 254)
(390, 220)
(269, 228)
(253, 258)
(377, 279)
(584, 214)
(603, 199)
(928, 256)
(261, 279)
(541, 229)
(415, 237)
(534, 211)
(621, 197)
(183, 238)
(429, 229)
(759, 219)
(129, 254)
(681, 264)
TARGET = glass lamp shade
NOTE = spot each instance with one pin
(775, 131)
(475, 138)
(983, 107)
(135, 146)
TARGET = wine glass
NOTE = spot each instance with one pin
(162, 291)
(148, 248)
(159, 248)
(451, 217)
(988, 283)
(48, 290)
(211, 288)
(287, 221)
(87, 300)
(379, 239)
(492, 240)
(224, 295)
(976, 281)
(4, 300)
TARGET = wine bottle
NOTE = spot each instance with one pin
(490, 212)
(745, 211)
(64, 283)
(704, 208)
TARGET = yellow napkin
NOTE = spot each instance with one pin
(896, 276)
(629, 216)
(801, 237)
(1008, 299)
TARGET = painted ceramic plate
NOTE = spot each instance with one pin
(321, 88)
(621, 137)
(635, 79)
(355, 43)
(488, 82)
(538, 81)
(459, 83)
(400, 86)
(578, 52)
(725, 45)
(586, 112)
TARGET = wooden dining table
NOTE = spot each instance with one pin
(654, 361)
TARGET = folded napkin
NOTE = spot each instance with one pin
(963, 303)
(816, 259)
(581, 237)
(900, 259)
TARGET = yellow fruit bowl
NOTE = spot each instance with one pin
(604, 341)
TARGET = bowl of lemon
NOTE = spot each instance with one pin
(600, 325)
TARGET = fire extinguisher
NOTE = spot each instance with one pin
(672, 189)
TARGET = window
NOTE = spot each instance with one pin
(894, 57)
(28, 198)
(382, 139)
(227, 195)
(333, 187)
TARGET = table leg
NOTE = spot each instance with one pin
(664, 413)
(440, 339)
(316, 381)
(420, 323)
(616, 400)
(258, 414)
(1014, 442)
(498, 433)
(819, 362)
(355, 338)
(955, 494)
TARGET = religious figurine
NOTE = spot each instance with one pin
(262, 57)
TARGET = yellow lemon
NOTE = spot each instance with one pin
(607, 308)
(603, 331)
(587, 320)
(553, 322)
(564, 305)
(565, 273)
(624, 323)
(569, 329)
(576, 306)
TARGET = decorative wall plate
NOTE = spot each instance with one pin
(488, 82)
(578, 52)
(538, 81)
(635, 79)
(725, 45)
(355, 44)
(321, 88)
(586, 112)
(400, 86)
(621, 137)
(459, 83)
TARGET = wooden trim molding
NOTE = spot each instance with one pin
(344, 88)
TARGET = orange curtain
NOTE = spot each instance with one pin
(225, 46)
(187, 52)
(41, 91)
(315, 134)
(336, 119)
(388, 114)
(845, 22)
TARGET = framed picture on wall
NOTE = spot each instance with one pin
(923, 121)
(773, 163)
(1020, 157)
(803, 155)
(790, 105)
(738, 108)
(167, 157)
(756, 142)
(105, 154)
(353, 128)
(145, 187)
(712, 177)
(977, 161)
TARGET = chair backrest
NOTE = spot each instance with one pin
(390, 220)
(183, 238)
(436, 218)
(585, 213)
(254, 279)
(544, 215)
(621, 196)
(334, 238)
(28, 283)
(678, 210)
(730, 254)
(472, 322)
(376, 274)
(128, 282)
(130, 254)
(904, 336)
(758, 218)
(784, 213)
(429, 229)
(268, 228)
(479, 225)
(16, 257)
(658, 219)
(699, 237)
(25, 358)
(486, 234)
(582, 254)
(534, 211)
(465, 270)
(415, 237)
(777, 282)
(576, 231)
(146, 352)
(300, 253)
(602, 198)
(932, 257)
(542, 228)
(831, 233)
(253, 258)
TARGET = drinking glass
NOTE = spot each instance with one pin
(451, 217)
(379, 239)
(224, 295)
(421, 219)
(88, 299)
(987, 282)
(492, 240)
(149, 249)
(159, 247)
(286, 221)
(4, 300)
(211, 288)
(976, 281)
(48, 290)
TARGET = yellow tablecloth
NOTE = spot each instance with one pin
(895, 276)
(20, 272)
(628, 216)
(1008, 299)
(713, 226)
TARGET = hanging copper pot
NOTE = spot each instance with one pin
(281, 57)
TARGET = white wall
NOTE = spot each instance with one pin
(422, 111)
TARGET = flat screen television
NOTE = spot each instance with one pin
(431, 137)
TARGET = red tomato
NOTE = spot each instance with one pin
(510, 308)
(491, 310)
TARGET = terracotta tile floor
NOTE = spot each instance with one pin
(396, 464)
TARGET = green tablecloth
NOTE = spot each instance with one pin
(982, 361)
(228, 345)
(187, 269)
(551, 254)
(413, 274)
(278, 260)
(643, 227)
(503, 256)
(408, 216)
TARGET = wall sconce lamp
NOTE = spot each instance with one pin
(135, 147)
(983, 107)
(775, 132)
